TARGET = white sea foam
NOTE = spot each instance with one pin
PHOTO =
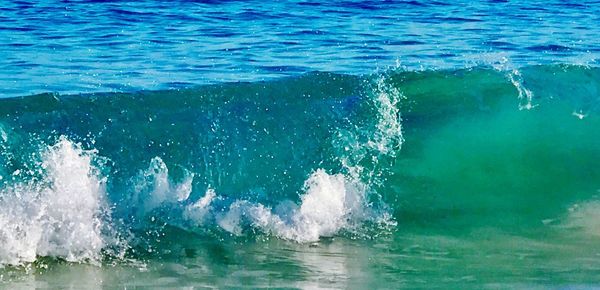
(62, 215)
(387, 136)
(153, 188)
(330, 204)
(199, 211)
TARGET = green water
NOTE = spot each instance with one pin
(492, 182)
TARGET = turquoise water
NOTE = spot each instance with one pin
(477, 170)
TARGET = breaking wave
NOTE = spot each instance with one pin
(85, 177)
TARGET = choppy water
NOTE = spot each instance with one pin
(470, 165)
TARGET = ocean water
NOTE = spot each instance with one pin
(298, 144)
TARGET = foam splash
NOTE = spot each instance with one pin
(153, 189)
(62, 215)
(502, 63)
(330, 203)
(199, 211)
(525, 95)
(387, 135)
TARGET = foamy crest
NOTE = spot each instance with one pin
(157, 196)
(387, 136)
(60, 215)
(153, 188)
(199, 211)
(330, 204)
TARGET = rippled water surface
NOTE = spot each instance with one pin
(91, 46)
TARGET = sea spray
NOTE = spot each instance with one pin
(329, 203)
(504, 65)
(334, 202)
(152, 188)
(525, 95)
(62, 215)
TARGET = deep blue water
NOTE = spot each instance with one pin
(92, 46)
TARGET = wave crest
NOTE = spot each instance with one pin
(61, 215)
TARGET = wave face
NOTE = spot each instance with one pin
(83, 177)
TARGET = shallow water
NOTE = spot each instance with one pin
(478, 170)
